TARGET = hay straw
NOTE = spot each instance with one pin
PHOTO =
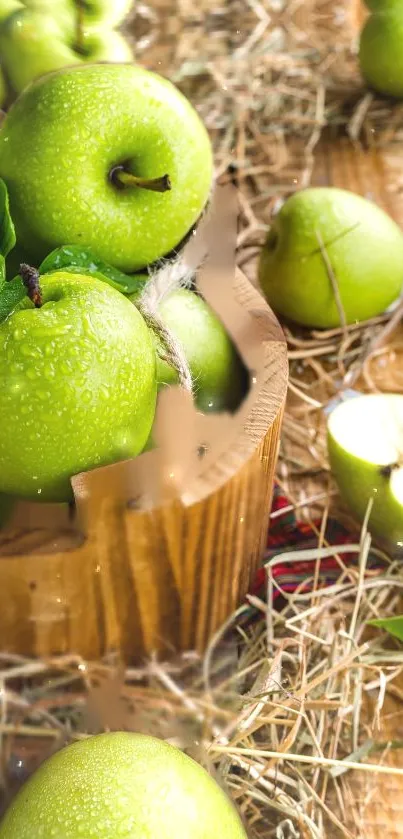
(273, 706)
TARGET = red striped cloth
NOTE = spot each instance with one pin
(287, 534)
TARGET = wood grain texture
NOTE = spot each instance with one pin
(163, 577)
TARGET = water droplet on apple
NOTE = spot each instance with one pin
(49, 373)
(28, 351)
(16, 385)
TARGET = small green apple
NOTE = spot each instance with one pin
(124, 785)
(32, 45)
(77, 385)
(83, 152)
(381, 50)
(217, 371)
(363, 245)
(365, 444)
(96, 14)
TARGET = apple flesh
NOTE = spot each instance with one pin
(217, 371)
(77, 385)
(293, 273)
(121, 784)
(381, 52)
(365, 445)
(32, 45)
(68, 145)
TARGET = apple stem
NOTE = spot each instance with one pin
(80, 25)
(386, 471)
(30, 278)
(121, 178)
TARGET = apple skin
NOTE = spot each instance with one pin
(292, 271)
(121, 784)
(358, 479)
(381, 52)
(383, 5)
(7, 7)
(63, 137)
(217, 371)
(77, 386)
(32, 45)
(98, 14)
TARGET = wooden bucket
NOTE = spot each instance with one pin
(145, 562)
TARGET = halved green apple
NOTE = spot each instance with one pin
(365, 446)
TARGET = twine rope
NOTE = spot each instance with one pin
(164, 280)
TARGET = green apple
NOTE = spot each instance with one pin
(363, 246)
(381, 51)
(32, 45)
(365, 444)
(96, 14)
(122, 785)
(217, 371)
(83, 152)
(77, 385)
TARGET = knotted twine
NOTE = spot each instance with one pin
(162, 282)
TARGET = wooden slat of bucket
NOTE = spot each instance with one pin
(378, 799)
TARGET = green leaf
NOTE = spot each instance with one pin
(77, 259)
(10, 295)
(7, 232)
(392, 625)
